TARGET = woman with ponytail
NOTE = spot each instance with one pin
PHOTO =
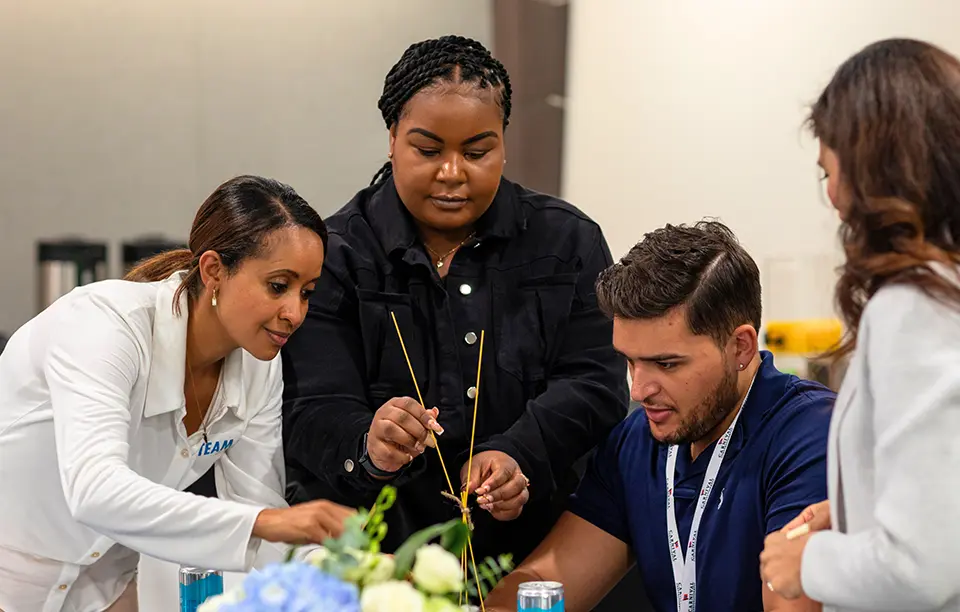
(123, 393)
(458, 254)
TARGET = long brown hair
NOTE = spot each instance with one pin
(234, 221)
(891, 114)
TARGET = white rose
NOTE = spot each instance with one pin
(391, 596)
(381, 568)
(437, 571)
(317, 556)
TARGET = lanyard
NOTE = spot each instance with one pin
(685, 572)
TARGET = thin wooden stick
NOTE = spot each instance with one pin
(476, 575)
(463, 499)
(473, 431)
(420, 397)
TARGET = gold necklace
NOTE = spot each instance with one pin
(196, 401)
(440, 257)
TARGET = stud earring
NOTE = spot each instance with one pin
(213, 301)
(741, 366)
(389, 154)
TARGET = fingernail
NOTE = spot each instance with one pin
(436, 427)
(482, 490)
(418, 447)
(429, 442)
(486, 507)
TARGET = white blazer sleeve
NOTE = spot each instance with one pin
(91, 368)
(252, 470)
(909, 561)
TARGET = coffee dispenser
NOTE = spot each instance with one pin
(66, 264)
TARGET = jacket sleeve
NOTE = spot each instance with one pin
(90, 370)
(325, 408)
(586, 393)
(908, 560)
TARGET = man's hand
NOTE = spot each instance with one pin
(500, 486)
(399, 432)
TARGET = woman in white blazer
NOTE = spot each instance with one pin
(122, 393)
(889, 536)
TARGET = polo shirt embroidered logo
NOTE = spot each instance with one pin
(214, 447)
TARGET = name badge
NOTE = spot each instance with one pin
(212, 448)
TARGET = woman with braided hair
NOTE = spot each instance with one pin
(444, 251)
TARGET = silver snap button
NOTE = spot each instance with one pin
(466, 289)
(470, 338)
(472, 392)
(348, 465)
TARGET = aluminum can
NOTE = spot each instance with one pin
(198, 585)
(540, 597)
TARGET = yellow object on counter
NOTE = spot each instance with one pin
(803, 336)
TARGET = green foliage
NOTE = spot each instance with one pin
(406, 554)
(375, 527)
(364, 531)
(491, 573)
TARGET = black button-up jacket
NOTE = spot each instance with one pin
(551, 385)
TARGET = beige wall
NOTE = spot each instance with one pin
(679, 110)
(118, 117)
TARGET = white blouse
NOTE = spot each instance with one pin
(94, 455)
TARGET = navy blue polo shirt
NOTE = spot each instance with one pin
(775, 467)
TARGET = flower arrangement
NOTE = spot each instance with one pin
(350, 574)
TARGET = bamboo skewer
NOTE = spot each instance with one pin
(464, 509)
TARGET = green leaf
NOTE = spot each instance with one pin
(455, 540)
(406, 553)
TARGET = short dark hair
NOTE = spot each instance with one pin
(702, 267)
(235, 221)
(448, 59)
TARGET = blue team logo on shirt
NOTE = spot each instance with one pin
(212, 448)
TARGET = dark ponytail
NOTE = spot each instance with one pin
(160, 266)
(453, 59)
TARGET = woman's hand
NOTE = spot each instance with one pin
(816, 517)
(780, 563)
(500, 486)
(307, 523)
(400, 431)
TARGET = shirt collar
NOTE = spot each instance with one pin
(168, 358)
(396, 231)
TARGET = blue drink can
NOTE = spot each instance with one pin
(540, 597)
(198, 585)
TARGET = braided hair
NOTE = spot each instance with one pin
(454, 59)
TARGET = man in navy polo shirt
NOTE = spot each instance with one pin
(724, 450)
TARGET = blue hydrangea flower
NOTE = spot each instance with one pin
(295, 587)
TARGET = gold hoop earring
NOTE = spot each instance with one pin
(213, 301)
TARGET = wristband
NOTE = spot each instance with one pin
(368, 465)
